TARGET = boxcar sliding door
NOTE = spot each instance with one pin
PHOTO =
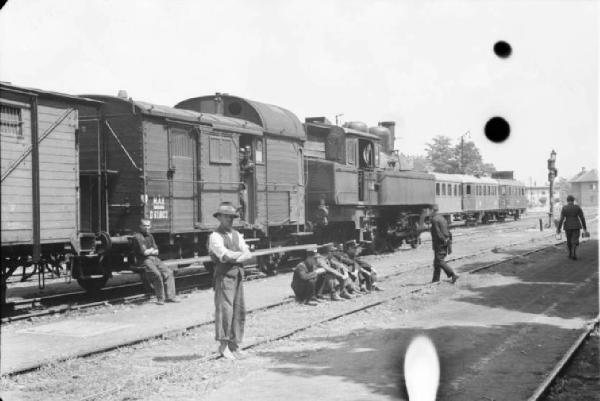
(182, 172)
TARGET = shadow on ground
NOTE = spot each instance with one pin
(374, 358)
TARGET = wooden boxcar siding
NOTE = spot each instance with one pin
(17, 218)
(402, 189)
(59, 179)
(158, 205)
(59, 175)
(336, 183)
(182, 149)
(261, 197)
(126, 186)
(219, 181)
(284, 181)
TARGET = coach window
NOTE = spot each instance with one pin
(444, 189)
(460, 189)
(351, 152)
(258, 157)
(468, 189)
(10, 121)
(437, 188)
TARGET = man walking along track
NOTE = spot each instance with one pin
(228, 251)
(441, 240)
(156, 272)
(572, 216)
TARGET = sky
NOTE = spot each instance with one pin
(428, 65)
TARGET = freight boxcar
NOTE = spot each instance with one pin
(170, 165)
(275, 183)
(40, 177)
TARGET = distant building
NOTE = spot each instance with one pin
(538, 196)
(584, 187)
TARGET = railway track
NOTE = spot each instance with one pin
(113, 295)
(542, 390)
(178, 371)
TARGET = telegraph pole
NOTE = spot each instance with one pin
(552, 172)
(462, 147)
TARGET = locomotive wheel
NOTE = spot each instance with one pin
(93, 284)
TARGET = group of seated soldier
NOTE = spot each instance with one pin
(331, 271)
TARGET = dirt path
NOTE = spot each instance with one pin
(496, 336)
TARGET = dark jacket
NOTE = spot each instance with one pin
(303, 272)
(440, 235)
(572, 216)
(141, 243)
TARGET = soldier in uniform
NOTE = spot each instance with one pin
(228, 251)
(572, 217)
(156, 272)
(305, 279)
(441, 240)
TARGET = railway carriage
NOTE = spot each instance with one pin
(449, 194)
(275, 186)
(40, 177)
(512, 200)
(480, 198)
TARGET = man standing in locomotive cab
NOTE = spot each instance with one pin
(305, 278)
(572, 217)
(156, 272)
(228, 251)
(441, 240)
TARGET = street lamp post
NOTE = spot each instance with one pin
(461, 162)
(552, 172)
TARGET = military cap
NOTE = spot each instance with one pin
(311, 250)
(325, 248)
(226, 208)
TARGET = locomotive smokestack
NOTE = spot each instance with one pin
(122, 94)
(391, 125)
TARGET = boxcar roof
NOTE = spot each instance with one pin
(273, 119)
(39, 92)
(214, 120)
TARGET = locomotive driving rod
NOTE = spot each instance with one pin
(260, 252)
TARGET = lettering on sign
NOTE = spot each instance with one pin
(159, 210)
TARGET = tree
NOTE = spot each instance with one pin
(421, 163)
(441, 155)
(457, 159)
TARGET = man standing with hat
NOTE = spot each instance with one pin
(228, 251)
(305, 279)
(441, 239)
(572, 216)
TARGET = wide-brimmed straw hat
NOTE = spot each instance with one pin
(226, 208)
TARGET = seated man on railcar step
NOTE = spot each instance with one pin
(156, 271)
(305, 278)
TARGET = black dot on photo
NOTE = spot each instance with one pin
(502, 49)
(497, 129)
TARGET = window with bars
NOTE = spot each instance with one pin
(10, 121)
